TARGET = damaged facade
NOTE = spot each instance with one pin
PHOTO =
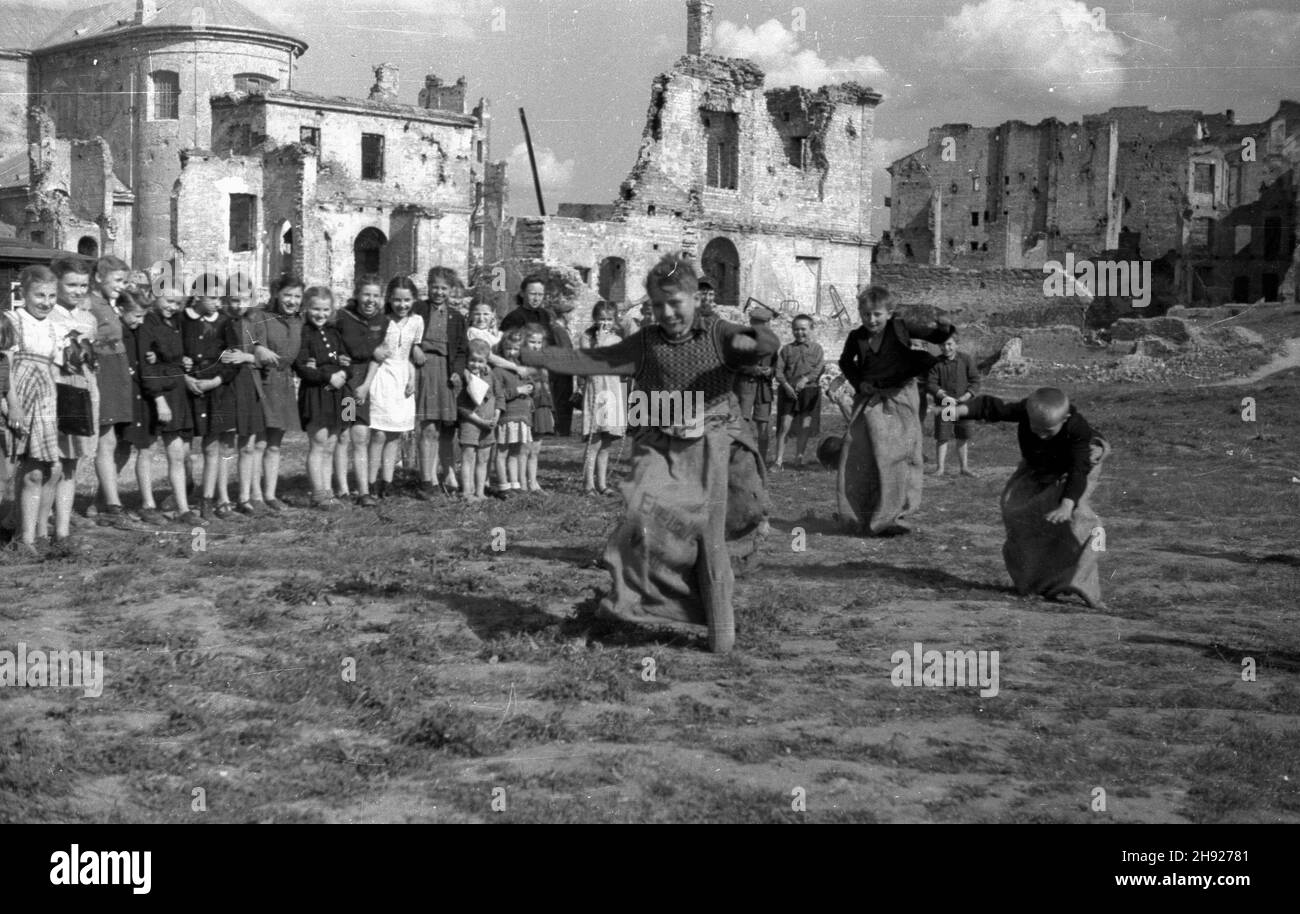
(1214, 204)
(770, 190)
(170, 132)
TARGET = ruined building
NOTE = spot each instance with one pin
(770, 189)
(174, 132)
(1213, 203)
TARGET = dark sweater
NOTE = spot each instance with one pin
(896, 363)
(956, 377)
(1067, 453)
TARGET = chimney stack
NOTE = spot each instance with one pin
(699, 27)
(145, 10)
(385, 87)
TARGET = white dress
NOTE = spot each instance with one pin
(391, 410)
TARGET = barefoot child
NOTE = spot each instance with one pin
(390, 383)
(799, 367)
(879, 480)
(696, 491)
(320, 395)
(514, 418)
(277, 337)
(543, 420)
(162, 375)
(477, 408)
(1046, 504)
(953, 379)
(604, 405)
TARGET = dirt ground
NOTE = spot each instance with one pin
(485, 692)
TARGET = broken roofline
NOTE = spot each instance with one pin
(747, 75)
(346, 105)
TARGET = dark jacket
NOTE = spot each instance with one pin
(457, 340)
(897, 362)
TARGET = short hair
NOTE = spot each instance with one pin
(366, 279)
(130, 301)
(801, 317)
(532, 329)
(673, 271)
(876, 296)
(110, 264)
(285, 281)
(239, 285)
(317, 293)
(513, 336)
(446, 274)
(529, 280)
(604, 308)
(480, 348)
(34, 274)
(65, 265)
(401, 282)
(1047, 403)
(206, 285)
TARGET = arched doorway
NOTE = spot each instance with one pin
(368, 252)
(721, 263)
(613, 279)
(88, 247)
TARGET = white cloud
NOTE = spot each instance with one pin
(556, 175)
(1032, 47)
(776, 50)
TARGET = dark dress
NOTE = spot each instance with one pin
(319, 404)
(247, 386)
(114, 374)
(562, 386)
(138, 434)
(282, 334)
(204, 340)
(446, 347)
(544, 404)
(361, 337)
(166, 376)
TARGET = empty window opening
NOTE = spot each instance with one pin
(372, 157)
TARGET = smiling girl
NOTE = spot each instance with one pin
(162, 375)
(443, 347)
(320, 396)
(277, 337)
(362, 325)
(391, 382)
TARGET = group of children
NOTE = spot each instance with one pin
(92, 370)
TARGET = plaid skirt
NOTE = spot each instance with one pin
(32, 378)
(514, 433)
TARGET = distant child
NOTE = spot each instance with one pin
(1046, 505)
(116, 389)
(324, 379)
(443, 350)
(543, 410)
(391, 383)
(514, 415)
(696, 498)
(137, 435)
(362, 325)
(604, 404)
(953, 379)
(162, 376)
(206, 335)
(754, 384)
(31, 347)
(799, 368)
(482, 324)
(477, 409)
(250, 417)
(277, 337)
(879, 481)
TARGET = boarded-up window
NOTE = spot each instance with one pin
(166, 95)
(372, 157)
(722, 134)
(243, 212)
(1203, 178)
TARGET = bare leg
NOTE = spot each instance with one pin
(65, 490)
(589, 462)
(430, 442)
(178, 450)
(374, 456)
(340, 458)
(211, 465)
(963, 457)
(144, 477)
(602, 462)
(468, 466)
(503, 478)
(248, 467)
(364, 461)
(271, 462)
(801, 436)
(534, 453)
(512, 465)
(34, 479)
(782, 431)
(446, 454)
(106, 465)
(761, 433)
(941, 457)
(482, 456)
(392, 444)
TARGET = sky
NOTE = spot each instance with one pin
(582, 68)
